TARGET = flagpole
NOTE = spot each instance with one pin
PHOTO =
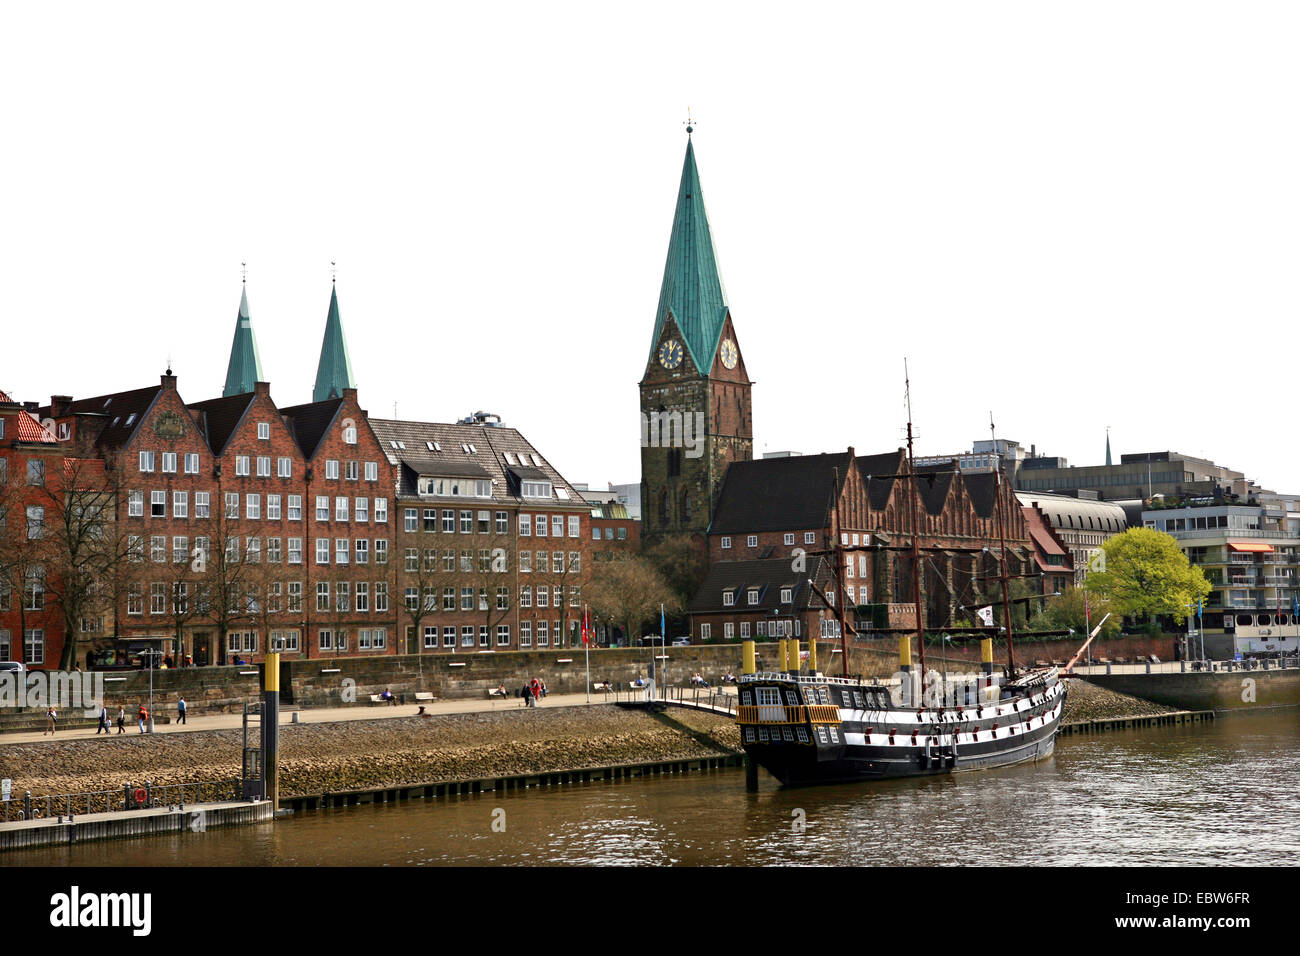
(586, 646)
(663, 650)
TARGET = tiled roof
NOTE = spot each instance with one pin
(434, 448)
(768, 576)
(310, 422)
(122, 412)
(219, 417)
(778, 494)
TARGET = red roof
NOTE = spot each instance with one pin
(29, 428)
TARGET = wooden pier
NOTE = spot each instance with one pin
(1131, 723)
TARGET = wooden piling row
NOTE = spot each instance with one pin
(1130, 723)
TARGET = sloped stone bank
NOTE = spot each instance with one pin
(360, 754)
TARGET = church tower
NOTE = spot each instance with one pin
(696, 412)
(245, 370)
(334, 372)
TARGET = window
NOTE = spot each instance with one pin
(751, 541)
(35, 522)
(525, 526)
(34, 645)
(557, 562)
(543, 634)
(363, 551)
(325, 639)
(36, 471)
(789, 539)
(728, 598)
(525, 633)
(381, 511)
(295, 551)
(361, 509)
(543, 597)
(322, 508)
(232, 504)
(503, 522)
(322, 550)
(466, 522)
(158, 504)
(467, 599)
(484, 521)
(272, 507)
(449, 560)
(350, 435)
(449, 599)
(284, 467)
(726, 542)
(295, 507)
(341, 550)
(503, 635)
(342, 596)
(331, 470)
(728, 630)
(352, 470)
(180, 504)
(525, 562)
(264, 431)
(467, 636)
(295, 598)
(169, 462)
(253, 507)
(340, 509)
(787, 596)
(574, 526)
(274, 550)
(264, 466)
(381, 551)
(363, 595)
(34, 589)
(180, 549)
(241, 464)
(744, 630)
(541, 526)
(381, 597)
(557, 526)
(809, 537)
(526, 596)
(158, 597)
(706, 631)
(575, 562)
(535, 489)
(135, 504)
(146, 462)
(448, 521)
(372, 471)
(752, 596)
(158, 548)
(191, 463)
(595, 534)
(135, 599)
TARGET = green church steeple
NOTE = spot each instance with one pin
(334, 373)
(244, 370)
(692, 289)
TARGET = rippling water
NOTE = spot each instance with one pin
(1223, 793)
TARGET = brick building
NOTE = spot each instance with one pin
(492, 543)
(777, 512)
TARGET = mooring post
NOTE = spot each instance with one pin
(271, 731)
(751, 774)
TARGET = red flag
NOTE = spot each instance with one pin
(585, 626)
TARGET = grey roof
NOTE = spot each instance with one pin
(431, 448)
(117, 409)
(778, 494)
(769, 576)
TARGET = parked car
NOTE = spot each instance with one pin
(681, 642)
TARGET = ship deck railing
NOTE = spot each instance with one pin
(787, 714)
(1084, 669)
(866, 682)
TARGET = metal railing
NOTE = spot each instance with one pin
(128, 797)
(787, 714)
(1288, 662)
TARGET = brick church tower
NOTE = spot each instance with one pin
(696, 410)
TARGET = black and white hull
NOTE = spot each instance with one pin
(810, 730)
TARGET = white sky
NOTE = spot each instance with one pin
(1075, 215)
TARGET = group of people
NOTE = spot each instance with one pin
(532, 692)
(105, 727)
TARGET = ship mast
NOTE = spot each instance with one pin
(837, 555)
(916, 548)
(1002, 546)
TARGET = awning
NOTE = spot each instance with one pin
(1251, 546)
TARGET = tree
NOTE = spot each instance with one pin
(629, 593)
(1146, 573)
(682, 560)
(1069, 612)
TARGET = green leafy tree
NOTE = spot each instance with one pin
(1146, 573)
(1069, 612)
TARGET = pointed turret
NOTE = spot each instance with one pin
(244, 371)
(692, 289)
(1108, 448)
(334, 373)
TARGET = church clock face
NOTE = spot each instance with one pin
(729, 354)
(670, 354)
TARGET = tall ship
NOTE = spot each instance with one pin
(812, 729)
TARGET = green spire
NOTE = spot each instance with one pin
(1108, 447)
(245, 370)
(692, 288)
(334, 373)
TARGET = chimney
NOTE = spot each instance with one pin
(168, 379)
(262, 388)
(350, 394)
(59, 405)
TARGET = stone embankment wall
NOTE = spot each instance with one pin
(1220, 691)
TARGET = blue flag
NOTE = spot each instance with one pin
(663, 627)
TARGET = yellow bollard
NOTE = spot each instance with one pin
(905, 653)
(748, 665)
(812, 656)
(986, 654)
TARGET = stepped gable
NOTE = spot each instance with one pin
(779, 494)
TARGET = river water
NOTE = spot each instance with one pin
(1209, 794)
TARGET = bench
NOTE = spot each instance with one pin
(378, 699)
(424, 695)
(602, 685)
(497, 692)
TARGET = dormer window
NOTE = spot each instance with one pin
(510, 459)
(728, 598)
(535, 489)
(753, 596)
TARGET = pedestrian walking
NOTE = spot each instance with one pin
(51, 716)
(121, 720)
(142, 717)
(180, 711)
(536, 689)
(103, 721)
